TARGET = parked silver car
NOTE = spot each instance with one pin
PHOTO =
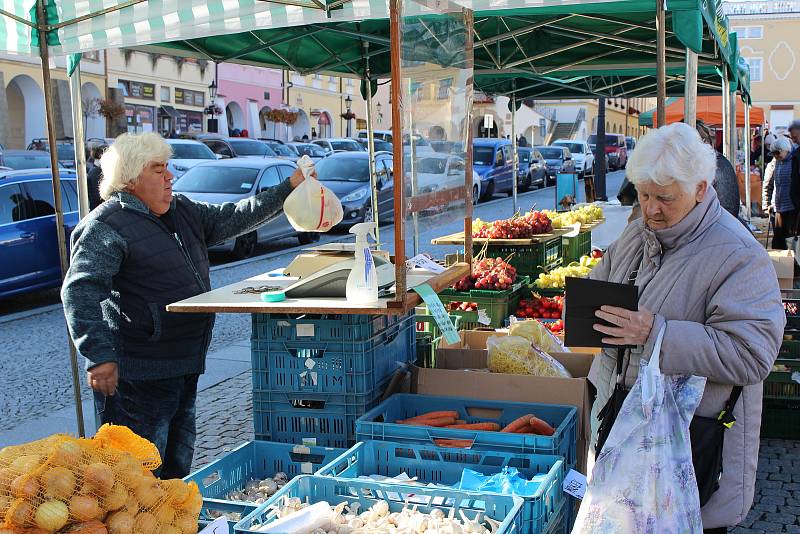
(231, 180)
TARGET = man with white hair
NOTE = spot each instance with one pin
(708, 289)
(140, 250)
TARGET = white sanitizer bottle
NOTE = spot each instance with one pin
(362, 283)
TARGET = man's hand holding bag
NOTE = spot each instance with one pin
(312, 207)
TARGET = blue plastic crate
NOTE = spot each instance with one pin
(503, 508)
(434, 465)
(254, 460)
(333, 366)
(355, 328)
(328, 419)
(378, 424)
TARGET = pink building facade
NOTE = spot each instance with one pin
(244, 93)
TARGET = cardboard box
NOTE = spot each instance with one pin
(783, 261)
(456, 375)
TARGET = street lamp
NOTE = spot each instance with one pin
(213, 124)
(348, 103)
(378, 109)
(212, 89)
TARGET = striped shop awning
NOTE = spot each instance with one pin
(84, 25)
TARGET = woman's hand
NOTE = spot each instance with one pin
(631, 327)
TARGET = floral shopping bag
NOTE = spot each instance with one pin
(643, 481)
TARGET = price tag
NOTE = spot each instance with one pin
(218, 526)
(305, 330)
(575, 484)
(424, 262)
(576, 228)
(483, 318)
(796, 377)
(440, 315)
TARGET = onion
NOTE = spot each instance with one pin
(169, 529)
(84, 508)
(58, 482)
(149, 492)
(25, 486)
(165, 514)
(20, 514)
(116, 498)
(67, 454)
(145, 523)
(51, 515)
(26, 463)
(120, 523)
(100, 477)
(186, 524)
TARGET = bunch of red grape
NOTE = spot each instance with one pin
(524, 227)
(463, 306)
(489, 274)
(790, 308)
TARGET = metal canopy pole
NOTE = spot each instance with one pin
(732, 136)
(371, 148)
(44, 54)
(661, 60)
(79, 141)
(726, 95)
(514, 151)
(747, 199)
(690, 91)
(396, 34)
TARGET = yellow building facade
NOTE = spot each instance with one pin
(768, 40)
(320, 101)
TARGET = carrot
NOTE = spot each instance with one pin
(453, 443)
(437, 421)
(460, 422)
(541, 427)
(433, 415)
(527, 429)
(518, 423)
(491, 427)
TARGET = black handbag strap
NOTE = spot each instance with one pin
(726, 417)
(621, 353)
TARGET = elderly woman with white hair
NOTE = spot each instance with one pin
(703, 278)
(781, 192)
(140, 250)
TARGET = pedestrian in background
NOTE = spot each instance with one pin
(781, 192)
(142, 249)
(94, 176)
(725, 182)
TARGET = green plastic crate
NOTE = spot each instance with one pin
(572, 248)
(498, 305)
(428, 336)
(529, 260)
(780, 414)
(790, 348)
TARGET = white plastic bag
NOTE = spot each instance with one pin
(312, 207)
(643, 481)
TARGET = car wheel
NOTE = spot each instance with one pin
(245, 246)
(476, 195)
(526, 182)
(368, 213)
(306, 238)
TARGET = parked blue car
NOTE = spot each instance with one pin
(492, 160)
(28, 242)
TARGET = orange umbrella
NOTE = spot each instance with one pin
(709, 110)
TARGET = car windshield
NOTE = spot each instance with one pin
(611, 140)
(251, 148)
(575, 148)
(483, 155)
(191, 151)
(312, 151)
(551, 153)
(282, 150)
(217, 179)
(20, 162)
(350, 146)
(66, 152)
(524, 156)
(343, 170)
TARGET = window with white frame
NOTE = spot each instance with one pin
(749, 32)
(756, 65)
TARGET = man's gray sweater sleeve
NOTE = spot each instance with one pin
(224, 221)
(97, 253)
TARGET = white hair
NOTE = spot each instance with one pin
(127, 157)
(672, 154)
(781, 144)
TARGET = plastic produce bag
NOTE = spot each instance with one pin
(509, 481)
(63, 482)
(536, 333)
(312, 207)
(515, 355)
(643, 481)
